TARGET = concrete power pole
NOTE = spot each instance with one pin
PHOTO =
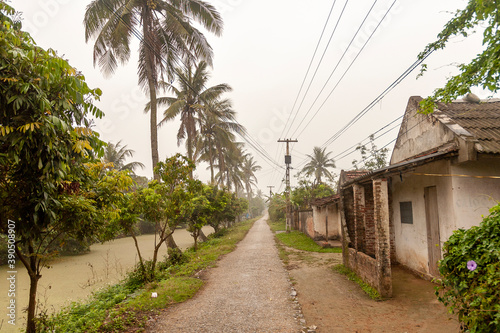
(270, 190)
(288, 161)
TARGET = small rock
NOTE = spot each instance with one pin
(293, 293)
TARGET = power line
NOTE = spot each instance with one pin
(376, 100)
(317, 67)
(348, 68)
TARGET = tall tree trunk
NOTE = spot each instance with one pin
(34, 274)
(171, 242)
(31, 327)
(210, 154)
(202, 236)
(141, 261)
(153, 121)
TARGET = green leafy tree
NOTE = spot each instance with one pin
(371, 157)
(318, 165)
(161, 203)
(277, 207)
(168, 36)
(484, 70)
(45, 141)
(306, 192)
(470, 271)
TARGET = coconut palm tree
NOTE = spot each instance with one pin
(191, 101)
(233, 160)
(117, 154)
(319, 164)
(217, 129)
(248, 170)
(167, 36)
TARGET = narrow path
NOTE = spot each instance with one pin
(248, 291)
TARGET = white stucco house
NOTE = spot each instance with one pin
(444, 174)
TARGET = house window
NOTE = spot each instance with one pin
(406, 212)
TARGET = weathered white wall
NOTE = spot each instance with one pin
(319, 214)
(473, 197)
(419, 133)
(411, 239)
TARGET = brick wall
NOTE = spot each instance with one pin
(364, 266)
(371, 256)
(359, 216)
(369, 222)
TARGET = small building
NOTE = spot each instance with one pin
(444, 174)
(326, 218)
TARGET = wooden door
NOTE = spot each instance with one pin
(432, 221)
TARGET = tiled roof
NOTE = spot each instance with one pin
(325, 200)
(482, 120)
(353, 174)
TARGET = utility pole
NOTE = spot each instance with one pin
(288, 161)
(270, 190)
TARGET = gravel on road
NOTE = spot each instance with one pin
(248, 291)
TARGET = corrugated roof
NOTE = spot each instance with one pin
(482, 120)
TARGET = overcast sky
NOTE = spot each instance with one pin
(264, 53)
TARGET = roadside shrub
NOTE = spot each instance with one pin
(176, 257)
(470, 270)
(137, 277)
(222, 232)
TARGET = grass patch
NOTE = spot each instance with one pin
(369, 290)
(277, 225)
(123, 307)
(301, 241)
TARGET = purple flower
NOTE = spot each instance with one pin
(471, 265)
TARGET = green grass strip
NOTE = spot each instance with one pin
(369, 290)
(301, 241)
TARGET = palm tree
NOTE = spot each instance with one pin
(248, 170)
(233, 160)
(168, 36)
(319, 164)
(191, 101)
(117, 154)
(216, 134)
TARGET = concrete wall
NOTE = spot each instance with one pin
(320, 214)
(411, 239)
(461, 203)
(473, 197)
(303, 221)
(419, 133)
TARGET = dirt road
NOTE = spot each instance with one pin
(248, 291)
(336, 305)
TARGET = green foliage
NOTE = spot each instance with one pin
(473, 292)
(48, 183)
(277, 207)
(176, 257)
(371, 157)
(484, 70)
(369, 290)
(301, 241)
(305, 193)
(256, 206)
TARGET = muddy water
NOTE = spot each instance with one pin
(76, 277)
